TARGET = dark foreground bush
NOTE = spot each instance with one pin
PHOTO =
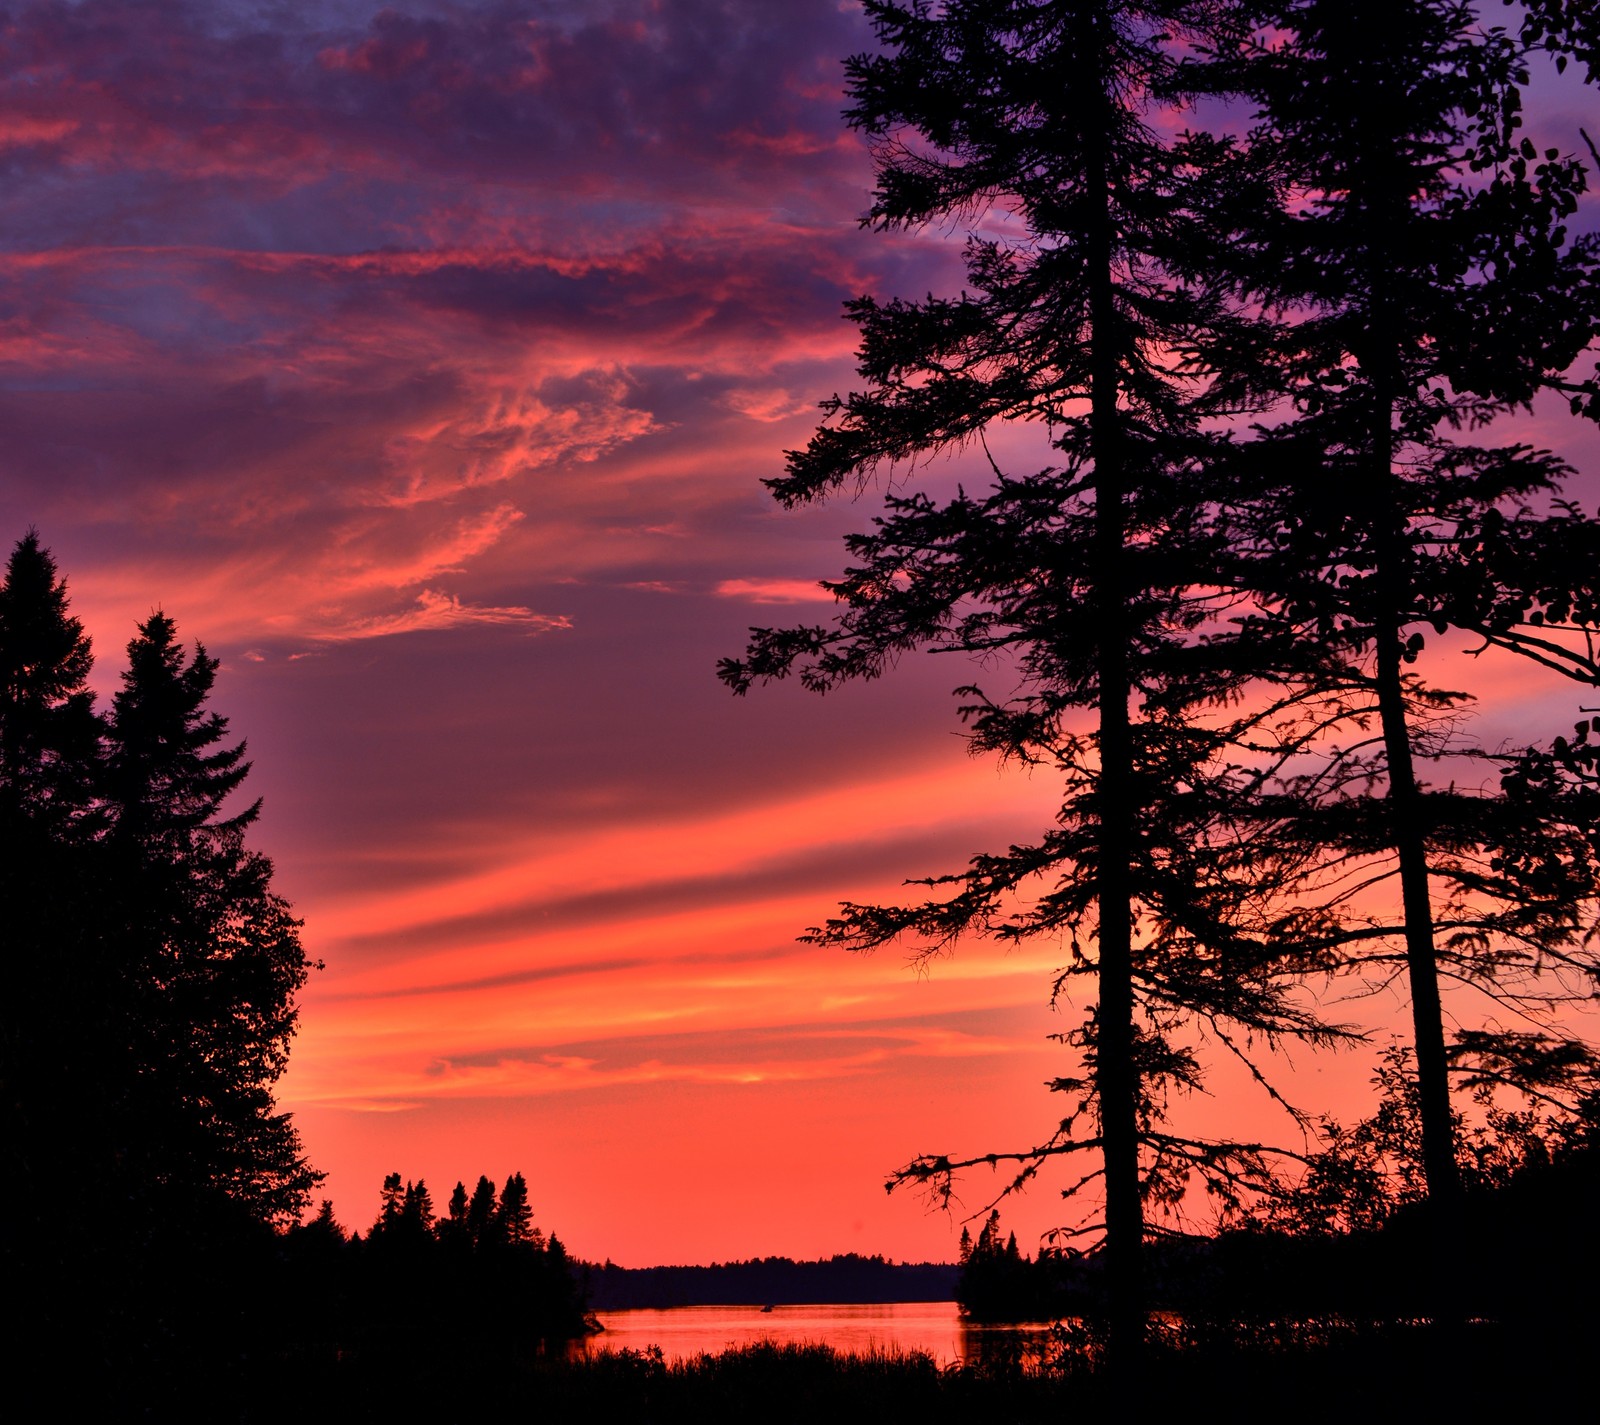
(1337, 1373)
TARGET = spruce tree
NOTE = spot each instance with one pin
(211, 957)
(1094, 579)
(49, 734)
(452, 1229)
(59, 1036)
(169, 773)
(480, 1213)
(391, 1203)
(1416, 280)
(514, 1214)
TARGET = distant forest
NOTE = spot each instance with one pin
(769, 1281)
(482, 1277)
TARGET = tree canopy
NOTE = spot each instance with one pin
(155, 967)
(1250, 355)
(1096, 578)
(1412, 281)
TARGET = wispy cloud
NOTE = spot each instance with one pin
(434, 611)
(774, 591)
(800, 1056)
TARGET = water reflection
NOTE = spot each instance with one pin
(932, 1327)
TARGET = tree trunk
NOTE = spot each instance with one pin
(1407, 820)
(1115, 1072)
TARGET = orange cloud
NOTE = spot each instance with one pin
(774, 591)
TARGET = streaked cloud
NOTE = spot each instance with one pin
(435, 611)
(834, 1054)
(775, 591)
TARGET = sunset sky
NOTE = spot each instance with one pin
(424, 360)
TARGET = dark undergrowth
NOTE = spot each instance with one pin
(1333, 1372)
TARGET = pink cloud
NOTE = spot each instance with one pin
(774, 591)
(434, 611)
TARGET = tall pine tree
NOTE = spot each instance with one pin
(150, 1002)
(49, 735)
(1094, 579)
(211, 957)
(1416, 281)
(59, 1035)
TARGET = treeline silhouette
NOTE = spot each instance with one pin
(152, 1190)
(1349, 1245)
(481, 1282)
(769, 1281)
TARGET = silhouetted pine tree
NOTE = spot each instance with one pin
(209, 957)
(59, 1035)
(417, 1211)
(480, 1213)
(1096, 579)
(324, 1226)
(49, 734)
(452, 1228)
(391, 1203)
(1417, 280)
(514, 1215)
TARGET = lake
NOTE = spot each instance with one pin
(934, 1327)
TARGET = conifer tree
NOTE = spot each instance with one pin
(169, 775)
(57, 1033)
(210, 958)
(49, 734)
(1417, 281)
(391, 1204)
(417, 1211)
(480, 1213)
(1095, 578)
(325, 1226)
(452, 1228)
(514, 1214)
